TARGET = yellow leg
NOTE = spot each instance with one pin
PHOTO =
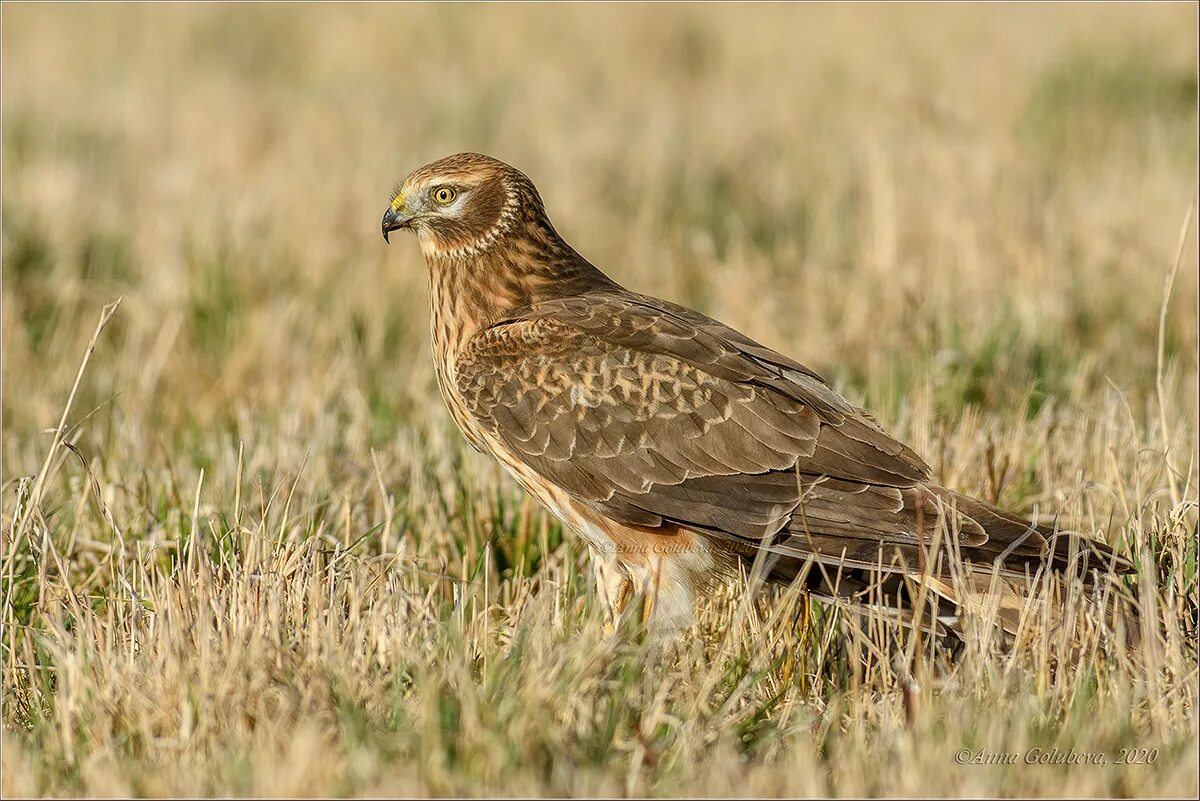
(648, 603)
(623, 595)
(797, 641)
(617, 605)
(614, 587)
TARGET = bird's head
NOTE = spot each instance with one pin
(459, 205)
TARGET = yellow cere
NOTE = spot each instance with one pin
(398, 202)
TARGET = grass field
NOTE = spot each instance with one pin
(257, 558)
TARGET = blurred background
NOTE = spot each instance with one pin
(985, 198)
(962, 215)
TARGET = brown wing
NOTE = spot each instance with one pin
(658, 416)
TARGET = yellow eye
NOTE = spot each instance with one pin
(444, 195)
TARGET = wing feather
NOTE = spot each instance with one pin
(657, 416)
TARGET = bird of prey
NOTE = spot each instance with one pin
(678, 447)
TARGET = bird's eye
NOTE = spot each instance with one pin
(444, 195)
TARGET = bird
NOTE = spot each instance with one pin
(684, 452)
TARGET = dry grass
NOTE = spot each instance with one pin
(264, 563)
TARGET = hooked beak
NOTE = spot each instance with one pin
(392, 220)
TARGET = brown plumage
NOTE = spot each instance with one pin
(670, 441)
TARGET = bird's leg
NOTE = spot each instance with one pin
(804, 640)
(797, 641)
(614, 586)
(617, 607)
(648, 603)
(623, 595)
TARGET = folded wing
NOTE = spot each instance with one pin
(659, 417)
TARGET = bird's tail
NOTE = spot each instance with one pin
(972, 561)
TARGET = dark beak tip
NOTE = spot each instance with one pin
(389, 223)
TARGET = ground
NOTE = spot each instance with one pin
(262, 561)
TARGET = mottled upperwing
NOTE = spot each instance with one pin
(657, 416)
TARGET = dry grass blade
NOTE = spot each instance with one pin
(56, 441)
(276, 569)
(1162, 329)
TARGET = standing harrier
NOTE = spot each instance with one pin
(667, 439)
